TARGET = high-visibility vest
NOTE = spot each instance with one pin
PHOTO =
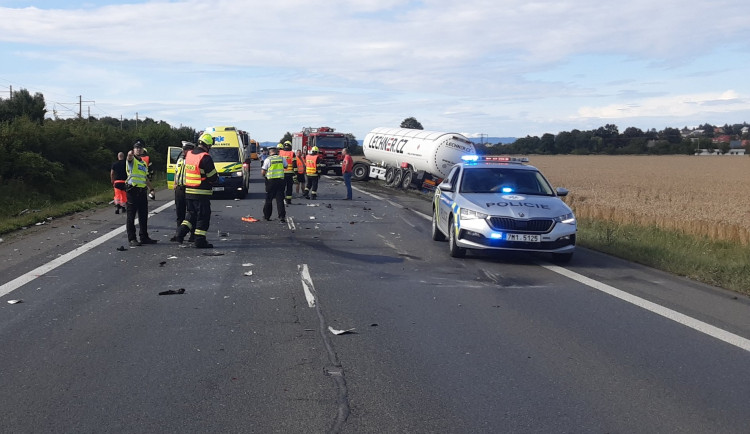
(300, 165)
(137, 172)
(276, 167)
(311, 165)
(179, 172)
(195, 177)
(289, 157)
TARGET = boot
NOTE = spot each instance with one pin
(201, 243)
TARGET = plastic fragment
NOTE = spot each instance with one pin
(340, 332)
(173, 291)
(15, 301)
(249, 219)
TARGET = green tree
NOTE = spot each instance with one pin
(22, 103)
(411, 123)
(287, 136)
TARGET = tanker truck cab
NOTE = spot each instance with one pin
(500, 203)
(232, 165)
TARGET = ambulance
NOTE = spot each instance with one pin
(228, 153)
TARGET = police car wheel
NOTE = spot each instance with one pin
(455, 251)
(436, 234)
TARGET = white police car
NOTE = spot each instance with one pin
(500, 203)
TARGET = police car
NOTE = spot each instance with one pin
(501, 203)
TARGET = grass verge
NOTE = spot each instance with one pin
(719, 263)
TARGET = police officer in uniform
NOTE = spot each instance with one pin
(180, 203)
(200, 174)
(311, 170)
(273, 170)
(136, 189)
(289, 170)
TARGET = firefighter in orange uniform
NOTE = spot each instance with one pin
(311, 170)
(300, 170)
(291, 166)
(200, 174)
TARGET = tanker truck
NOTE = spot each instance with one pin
(405, 158)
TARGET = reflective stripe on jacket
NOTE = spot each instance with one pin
(289, 157)
(311, 165)
(195, 177)
(137, 172)
(275, 168)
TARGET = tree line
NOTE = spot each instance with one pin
(57, 159)
(608, 140)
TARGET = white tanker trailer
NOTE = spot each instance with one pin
(404, 157)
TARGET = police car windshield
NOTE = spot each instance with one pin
(225, 155)
(331, 142)
(504, 180)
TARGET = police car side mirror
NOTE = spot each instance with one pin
(445, 186)
(562, 191)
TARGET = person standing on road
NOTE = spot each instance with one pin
(118, 174)
(346, 170)
(137, 187)
(146, 159)
(311, 169)
(273, 171)
(200, 175)
(180, 202)
(289, 168)
(300, 170)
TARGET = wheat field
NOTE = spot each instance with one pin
(698, 195)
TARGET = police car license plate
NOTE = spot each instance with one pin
(526, 238)
(218, 189)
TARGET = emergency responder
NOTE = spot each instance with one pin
(146, 159)
(273, 171)
(118, 174)
(311, 170)
(300, 181)
(289, 168)
(180, 203)
(137, 187)
(200, 174)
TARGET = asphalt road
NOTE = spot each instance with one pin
(489, 343)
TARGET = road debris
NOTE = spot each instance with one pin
(15, 301)
(340, 332)
(173, 291)
(249, 219)
(121, 249)
(248, 273)
(162, 263)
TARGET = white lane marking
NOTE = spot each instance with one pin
(19, 281)
(715, 332)
(307, 284)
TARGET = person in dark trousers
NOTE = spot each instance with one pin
(313, 173)
(200, 175)
(273, 171)
(346, 170)
(300, 170)
(118, 174)
(137, 187)
(180, 203)
(289, 170)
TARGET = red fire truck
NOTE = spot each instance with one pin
(329, 143)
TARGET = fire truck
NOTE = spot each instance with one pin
(329, 143)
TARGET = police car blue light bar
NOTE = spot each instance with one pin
(487, 158)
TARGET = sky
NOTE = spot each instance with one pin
(498, 68)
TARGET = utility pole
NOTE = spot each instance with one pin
(482, 136)
(80, 106)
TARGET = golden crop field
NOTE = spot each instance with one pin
(699, 195)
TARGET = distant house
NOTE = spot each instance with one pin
(724, 138)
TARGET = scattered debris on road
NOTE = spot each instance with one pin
(173, 291)
(340, 332)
